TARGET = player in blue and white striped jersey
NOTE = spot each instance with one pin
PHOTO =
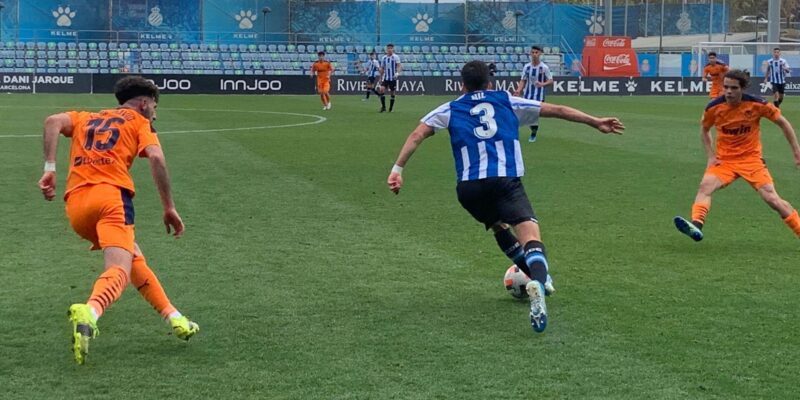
(389, 72)
(484, 135)
(777, 69)
(535, 76)
(371, 69)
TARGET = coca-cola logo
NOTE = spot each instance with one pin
(612, 62)
(619, 42)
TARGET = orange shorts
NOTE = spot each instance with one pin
(323, 87)
(754, 172)
(102, 214)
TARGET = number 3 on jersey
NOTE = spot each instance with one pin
(101, 126)
(486, 112)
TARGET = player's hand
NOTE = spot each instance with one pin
(395, 182)
(47, 184)
(797, 159)
(517, 93)
(173, 222)
(537, 84)
(610, 125)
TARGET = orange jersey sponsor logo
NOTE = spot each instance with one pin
(738, 127)
(323, 70)
(104, 145)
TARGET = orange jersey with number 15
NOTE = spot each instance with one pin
(738, 127)
(104, 145)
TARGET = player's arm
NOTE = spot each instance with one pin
(313, 70)
(549, 77)
(158, 168)
(521, 84)
(708, 145)
(422, 132)
(791, 137)
(705, 74)
(399, 70)
(53, 126)
(602, 124)
(767, 73)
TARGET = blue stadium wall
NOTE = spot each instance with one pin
(242, 21)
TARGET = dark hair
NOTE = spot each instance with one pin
(537, 48)
(475, 75)
(712, 53)
(777, 48)
(320, 53)
(131, 87)
(742, 76)
(390, 45)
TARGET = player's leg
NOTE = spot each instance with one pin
(383, 96)
(715, 178)
(528, 233)
(106, 290)
(146, 282)
(515, 208)
(510, 246)
(783, 207)
(534, 132)
(369, 89)
(392, 92)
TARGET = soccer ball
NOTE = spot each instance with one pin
(515, 281)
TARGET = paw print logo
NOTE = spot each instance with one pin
(595, 24)
(766, 86)
(63, 16)
(422, 22)
(631, 85)
(245, 19)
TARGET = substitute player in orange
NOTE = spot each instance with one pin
(323, 69)
(736, 118)
(99, 197)
(715, 71)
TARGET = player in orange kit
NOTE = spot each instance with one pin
(738, 154)
(323, 69)
(715, 71)
(99, 197)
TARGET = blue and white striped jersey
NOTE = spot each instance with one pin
(372, 68)
(776, 70)
(531, 74)
(484, 132)
(389, 65)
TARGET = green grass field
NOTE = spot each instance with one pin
(310, 280)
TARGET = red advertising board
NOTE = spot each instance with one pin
(609, 56)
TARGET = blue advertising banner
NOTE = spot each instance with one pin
(573, 23)
(53, 19)
(9, 22)
(243, 21)
(507, 22)
(679, 19)
(157, 20)
(329, 22)
(648, 64)
(403, 23)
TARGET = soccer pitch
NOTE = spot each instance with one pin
(310, 280)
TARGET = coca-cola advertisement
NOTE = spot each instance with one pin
(609, 56)
(607, 42)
